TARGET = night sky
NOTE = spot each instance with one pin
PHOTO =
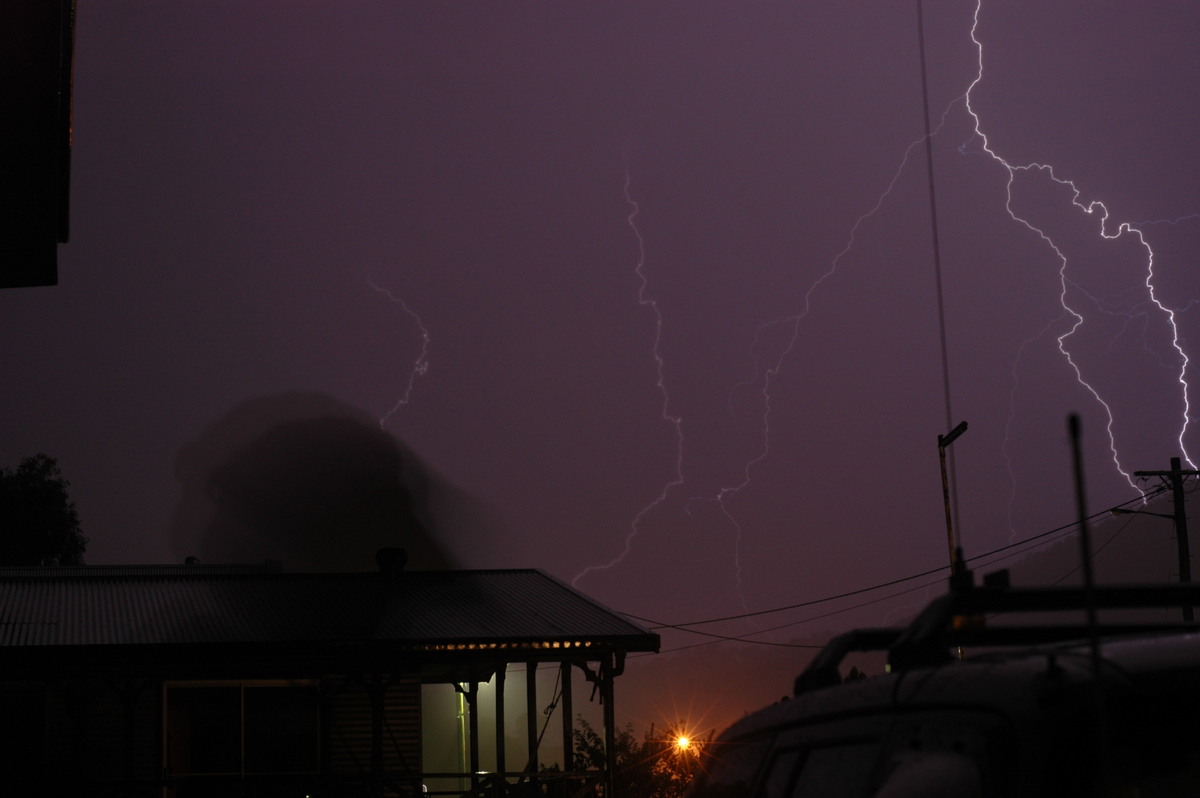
(639, 293)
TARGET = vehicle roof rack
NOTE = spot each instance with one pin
(959, 618)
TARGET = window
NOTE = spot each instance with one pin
(837, 769)
(234, 730)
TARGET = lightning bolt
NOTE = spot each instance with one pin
(767, 366)
(420, 363)
(1107, 230)
(1174, 222)
(792, 326)
(675, 421)
(762, 374)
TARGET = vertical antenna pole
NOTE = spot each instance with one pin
(1099, 732)
(944, 442)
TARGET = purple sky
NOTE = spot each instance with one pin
(557, 248)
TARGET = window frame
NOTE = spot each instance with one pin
(241, 685)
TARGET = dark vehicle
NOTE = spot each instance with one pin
(1077, 707)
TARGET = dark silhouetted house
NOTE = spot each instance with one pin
(199, 680)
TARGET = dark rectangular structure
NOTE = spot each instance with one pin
(36, 62)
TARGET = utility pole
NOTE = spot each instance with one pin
(1174, 479)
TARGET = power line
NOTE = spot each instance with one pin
(812, 602)
(1027, 543)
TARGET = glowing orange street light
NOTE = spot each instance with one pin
(682, 743)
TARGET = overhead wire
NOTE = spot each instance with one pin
(1015, 548)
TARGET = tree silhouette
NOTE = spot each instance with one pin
(657, 766)
(38, 522)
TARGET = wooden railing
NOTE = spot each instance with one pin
(542, 784)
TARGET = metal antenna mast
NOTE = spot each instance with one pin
(952, 495)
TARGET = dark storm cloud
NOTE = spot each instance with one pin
(305, 480)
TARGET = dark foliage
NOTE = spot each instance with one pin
(654, 767)
(854, 675)
(38, 522)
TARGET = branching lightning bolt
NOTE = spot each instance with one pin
(771, 372)
(767, 369)
(676, 422)
(420, 364)
(1107, 230)
(791, 325)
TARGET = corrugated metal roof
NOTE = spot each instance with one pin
(62, 571)
(167, 605)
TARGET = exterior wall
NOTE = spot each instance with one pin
(72, 737)
(350, 727)
(60, 735)
(23, 730)
(111, 728)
